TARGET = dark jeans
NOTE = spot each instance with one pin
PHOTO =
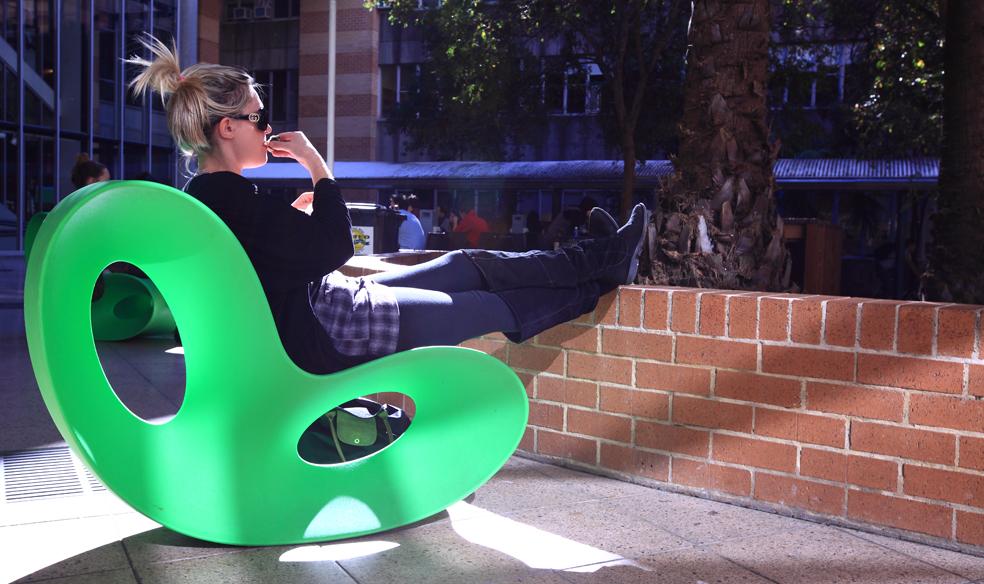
(469, 293)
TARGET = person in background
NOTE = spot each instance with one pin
(561, 229)
(411, 234)
(471, 224)
(87, 171)
(447, 220)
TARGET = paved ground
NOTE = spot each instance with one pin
(531, 523)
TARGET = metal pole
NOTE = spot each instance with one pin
(332, 28)
(148, 100)
(21, 200)
(93, 78)
(58, 30)
(121, 96)
(183, 44)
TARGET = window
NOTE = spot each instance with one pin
(396, 84)
(279, 96)
(576, 90)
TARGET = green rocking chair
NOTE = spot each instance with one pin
(226, 467)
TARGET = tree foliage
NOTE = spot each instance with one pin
(481, 93)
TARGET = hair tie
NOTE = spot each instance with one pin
(180, 78)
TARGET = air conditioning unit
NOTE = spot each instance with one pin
(262, 12)
(242, 13)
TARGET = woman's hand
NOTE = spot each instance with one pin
(303, 202)
(297, 146)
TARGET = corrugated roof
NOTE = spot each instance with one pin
(790, 173)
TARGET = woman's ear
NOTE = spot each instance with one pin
(225, 128)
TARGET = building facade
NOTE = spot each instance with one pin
(63, 93)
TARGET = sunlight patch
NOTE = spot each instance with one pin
(532, 546)
(337, 552)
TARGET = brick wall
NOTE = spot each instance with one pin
(858, 411)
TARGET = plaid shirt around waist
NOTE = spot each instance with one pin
(360, 316)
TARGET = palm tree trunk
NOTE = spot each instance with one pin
(717, 225)
(958, 266)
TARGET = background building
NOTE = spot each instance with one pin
(62, 92)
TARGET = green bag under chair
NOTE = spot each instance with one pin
(226, 467)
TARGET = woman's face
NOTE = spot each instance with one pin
(249, 141)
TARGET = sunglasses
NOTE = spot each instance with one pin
(260, 118)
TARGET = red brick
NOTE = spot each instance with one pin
(673, 378)
(816, 497)
(536, 358)
(711, 414)
(570, 336)
(801, 362)
(855, 400)
(604, 313)
(311, 106)
(684, 316)
(742, 317)
(840, 322)
(757, 388)
(672, 438)
(878, 324)
(757, 453)
(497, 349)
(640, 404)
(971, 453)
(807, 321)
(907, 443)
(546, 415)
(716, 353)
(528, 440)
(901, 513)
(528, 382)
(800, 427)
(847, 468)
(946, 412)
(635, 462)
(568, 391)
(943, 485)
(970, 528)
(655, 305)
(910, 373)
(618, 428)
(569, 447)
(916, 323)
(706, 475)
(975, 381)
(774, 319)
(712, 314)
(634, 344)
(600, 368)
(957, 331)
(629, 306)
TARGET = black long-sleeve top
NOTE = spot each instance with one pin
(290, 251)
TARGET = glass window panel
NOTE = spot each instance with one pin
(576, 92)
(9, 203)
(280, 89)
(75, 79)
(387, 88)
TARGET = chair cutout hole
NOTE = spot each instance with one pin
(356, 429)
(138, 343)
